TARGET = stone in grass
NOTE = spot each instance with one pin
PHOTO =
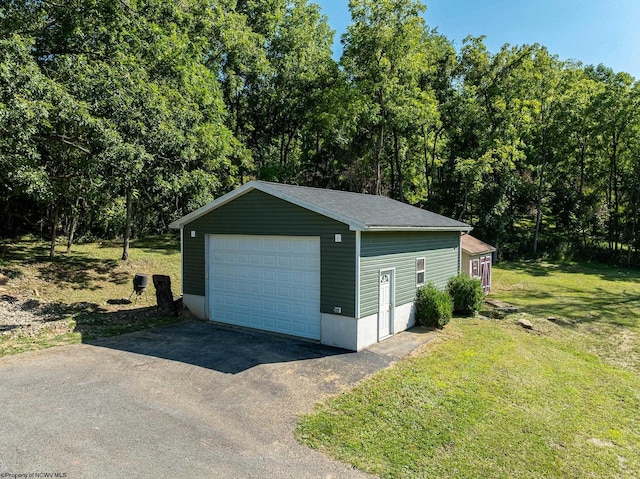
(526, 324)
(492, 313)
(560, 321)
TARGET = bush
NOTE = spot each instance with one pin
(466, 293)
(433, 307)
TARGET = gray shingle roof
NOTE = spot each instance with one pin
(370, 210)
(361, 212)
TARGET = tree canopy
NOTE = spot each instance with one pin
(118, 117)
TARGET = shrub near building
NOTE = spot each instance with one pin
(466, 293)
(433, 307)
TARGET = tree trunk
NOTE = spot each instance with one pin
(392, 166)
(633, 242)
(287, 146)
(433, 152)
(616, 206)
(399, 178)
(378, 161)
(282, 148)
(612, 226)
(127, 226)
(539, 209)
(72, 231)
(583, 152)
(54, 231)
(427, 169)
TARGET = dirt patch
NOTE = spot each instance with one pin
(627, 341)
(600, 442)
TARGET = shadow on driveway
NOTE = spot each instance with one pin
(216, 347)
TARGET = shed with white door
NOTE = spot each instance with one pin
(338, 267)
(477, 258)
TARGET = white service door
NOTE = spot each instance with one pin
(266, 282)
(385, 305)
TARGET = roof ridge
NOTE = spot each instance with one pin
(324, 189)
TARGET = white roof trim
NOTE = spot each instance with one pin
(478, 253)
(203, 210)
(419, 228)
(255, 185)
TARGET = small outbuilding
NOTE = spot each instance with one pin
(338, 267)
(477, 259)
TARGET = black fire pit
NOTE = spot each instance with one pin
(140, 282)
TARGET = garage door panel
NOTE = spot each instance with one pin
(270, 283)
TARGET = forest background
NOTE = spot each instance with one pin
(119, 116)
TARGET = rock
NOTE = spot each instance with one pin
(498, 309)
(492, 313)
(526, 324)
(560, 321)
(501, 306)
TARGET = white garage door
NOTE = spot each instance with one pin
(266, 282)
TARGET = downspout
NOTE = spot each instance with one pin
(460, 253)
(182, 260)
(358, 241)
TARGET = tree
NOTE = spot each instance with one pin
(385, 55)
(137, 97)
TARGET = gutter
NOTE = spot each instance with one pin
(418, 228)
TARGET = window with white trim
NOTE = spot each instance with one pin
(420, 269)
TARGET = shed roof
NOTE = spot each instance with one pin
(360, 211)
(472, 245)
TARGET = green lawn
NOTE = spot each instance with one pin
(82, 295)
(490, 399)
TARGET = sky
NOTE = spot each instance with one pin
(591, 31)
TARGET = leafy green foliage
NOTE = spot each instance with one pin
(117, 118)
(433, 307)
(466, 294)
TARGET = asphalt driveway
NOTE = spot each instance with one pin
(189, 400)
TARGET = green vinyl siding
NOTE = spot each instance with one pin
(400, 250)
(257, 213)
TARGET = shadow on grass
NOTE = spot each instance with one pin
(163, 244)
(78, 270)
(94, 322)
(9, 273)
(580, 306)
(603, 271)
(26, 251)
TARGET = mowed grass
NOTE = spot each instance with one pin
(490, 399)
(82, 295)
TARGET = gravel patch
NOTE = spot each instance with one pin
(19, 316)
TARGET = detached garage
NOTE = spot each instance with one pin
(333, 266)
